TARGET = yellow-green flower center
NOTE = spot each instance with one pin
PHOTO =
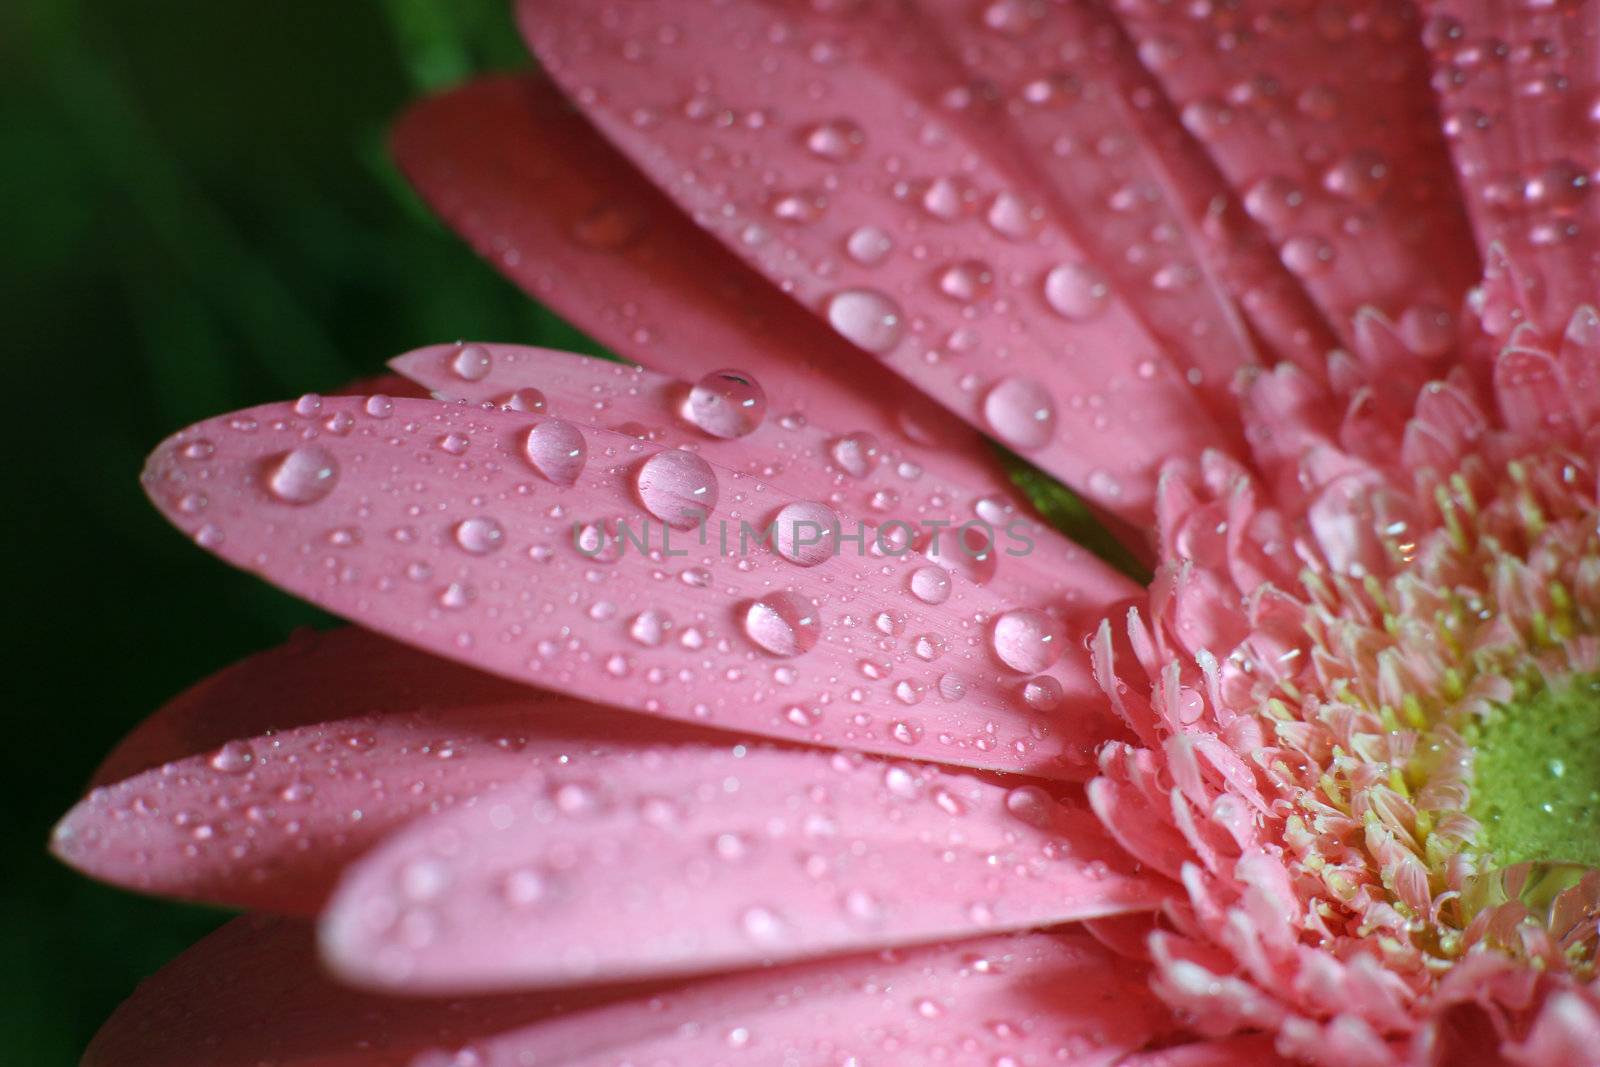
(1536, 775)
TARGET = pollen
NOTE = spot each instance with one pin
(1536, 774)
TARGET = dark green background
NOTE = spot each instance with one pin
(199, 214)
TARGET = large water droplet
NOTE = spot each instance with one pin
(557, 450)
(677, 487)
(1020, 412)
(303, 475)
(1076, 291)
(1028, 641)
(726, 403)
(783, 623)
(803, 532)
(866, 317)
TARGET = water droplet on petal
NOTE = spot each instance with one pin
(303, 475)
(649, 627)
(931, 585)
(838, 140)
(726, 403)
(471, 363)
(528, 400)
(235, 757)
(1076, 292)
(855, 453)
(803, 532)
(868, 245)
(1042, 693)
(1021, 413)
(557, 450)
(783, 623)
(479, 535)
(1027, 640)
(866, 317)
(677, 487)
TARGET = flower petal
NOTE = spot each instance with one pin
(824, 156)
(1322, 118)
(271, 820)
(1142, 196)
(1518, 85)
(584, 232)
(436, 524)
(859, 475)
(315, 677)
(686, 859)
(1035, 998)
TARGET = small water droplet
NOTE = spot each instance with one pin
(838, 140)
(303, 475)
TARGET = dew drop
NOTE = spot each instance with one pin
(1076, 292)
(479, 536)
(235, 757)
(649, 627)
(1020, 412)
(855, 453)
(1027, 640)
(1042, 693)
(303, 475)
(931, 585)
(528, 400)
(557, 450)
(471, 363)
(838, 140)
(782, 623)
(726, 404)
(677, 487)
(868, 245)
(803, 532)
(867, 318)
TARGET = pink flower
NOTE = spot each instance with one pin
(1305, 291)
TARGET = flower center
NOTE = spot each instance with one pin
(1536, 774)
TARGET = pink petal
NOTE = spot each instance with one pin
(584, 232)
(316, 677)
(1136, 189)
(824, 133)
(1250, 1050)
(430, 523)
(1037, 999)
(1323, 119)
(683, 859)
(1518, 85)
(271, 820)
(863, 477)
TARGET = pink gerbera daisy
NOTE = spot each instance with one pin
(734, 710)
